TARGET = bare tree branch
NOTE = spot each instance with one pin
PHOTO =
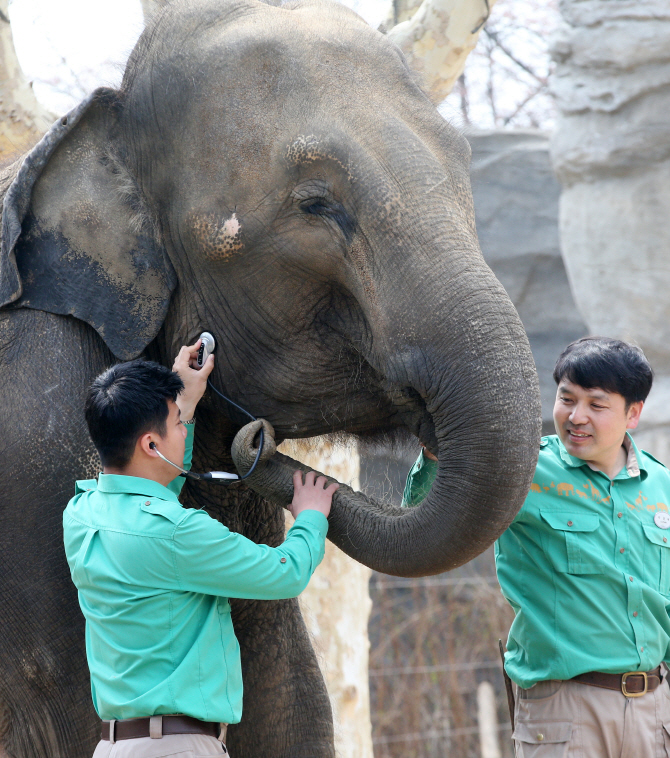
(495, 37)
(437, 39)
(22, 119)
(523, 104)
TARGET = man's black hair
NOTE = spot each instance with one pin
(126, 401)
(611, 365)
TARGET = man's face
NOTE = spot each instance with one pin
(592, 423)
(172, 443)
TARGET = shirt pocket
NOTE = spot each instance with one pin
(657, 558)
(572, 542)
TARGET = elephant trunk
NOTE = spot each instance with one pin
(481, 392)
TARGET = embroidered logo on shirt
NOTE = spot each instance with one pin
(565, 489)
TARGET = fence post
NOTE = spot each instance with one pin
(487, 719)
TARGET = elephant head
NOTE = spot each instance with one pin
(275, 175)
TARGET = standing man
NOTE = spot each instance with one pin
(586, 567)
(154, 578)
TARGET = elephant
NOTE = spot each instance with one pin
(273, 174)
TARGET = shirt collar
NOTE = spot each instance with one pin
(634, 466)
(118, 484)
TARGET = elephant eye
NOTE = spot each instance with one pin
(317, 206)
(320, 206)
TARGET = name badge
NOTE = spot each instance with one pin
(662, 519)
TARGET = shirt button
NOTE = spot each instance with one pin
(665, 539)
(282, 560)
(569, 523)
(631, 578)
(642, 650)
(147, 502)
(619, 515)
(623, 550)
(540, 737)
(634, 613)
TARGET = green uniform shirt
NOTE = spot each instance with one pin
(154, 580)
(586, 569)
(419, 481)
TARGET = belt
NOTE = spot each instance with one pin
(631, 684)
(157, 726)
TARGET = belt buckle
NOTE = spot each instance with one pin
(624, 678)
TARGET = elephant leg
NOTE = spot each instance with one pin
(45, 692)
(287, 711)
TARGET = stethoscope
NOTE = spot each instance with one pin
(207, 345)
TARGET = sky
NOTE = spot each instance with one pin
(69, 47)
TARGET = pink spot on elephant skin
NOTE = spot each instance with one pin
(219, 240)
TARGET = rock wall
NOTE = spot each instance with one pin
(611, 152)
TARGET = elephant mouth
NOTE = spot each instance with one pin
(406, 420)
(413, 415)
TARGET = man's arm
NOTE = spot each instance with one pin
(195, 380)
(195, 384)
(177, 484)
(213, 560)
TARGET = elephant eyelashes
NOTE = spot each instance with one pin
(320, 206)
(317, 207)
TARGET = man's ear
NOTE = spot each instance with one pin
(633, 414)
(76, 237)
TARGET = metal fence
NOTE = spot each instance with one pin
(433, 642)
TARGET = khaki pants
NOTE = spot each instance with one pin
(173, 745)
(572, 720)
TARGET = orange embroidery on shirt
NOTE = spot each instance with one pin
(640, 498)
(582, 494)
(535, 488)
(565, 489)
(595, 493)
(630, 505)
(662, 507)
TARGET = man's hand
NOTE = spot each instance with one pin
(195, 380)
(311, 496)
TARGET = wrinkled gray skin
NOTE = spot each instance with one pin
(276, 176)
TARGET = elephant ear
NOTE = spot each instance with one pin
(75, 236)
